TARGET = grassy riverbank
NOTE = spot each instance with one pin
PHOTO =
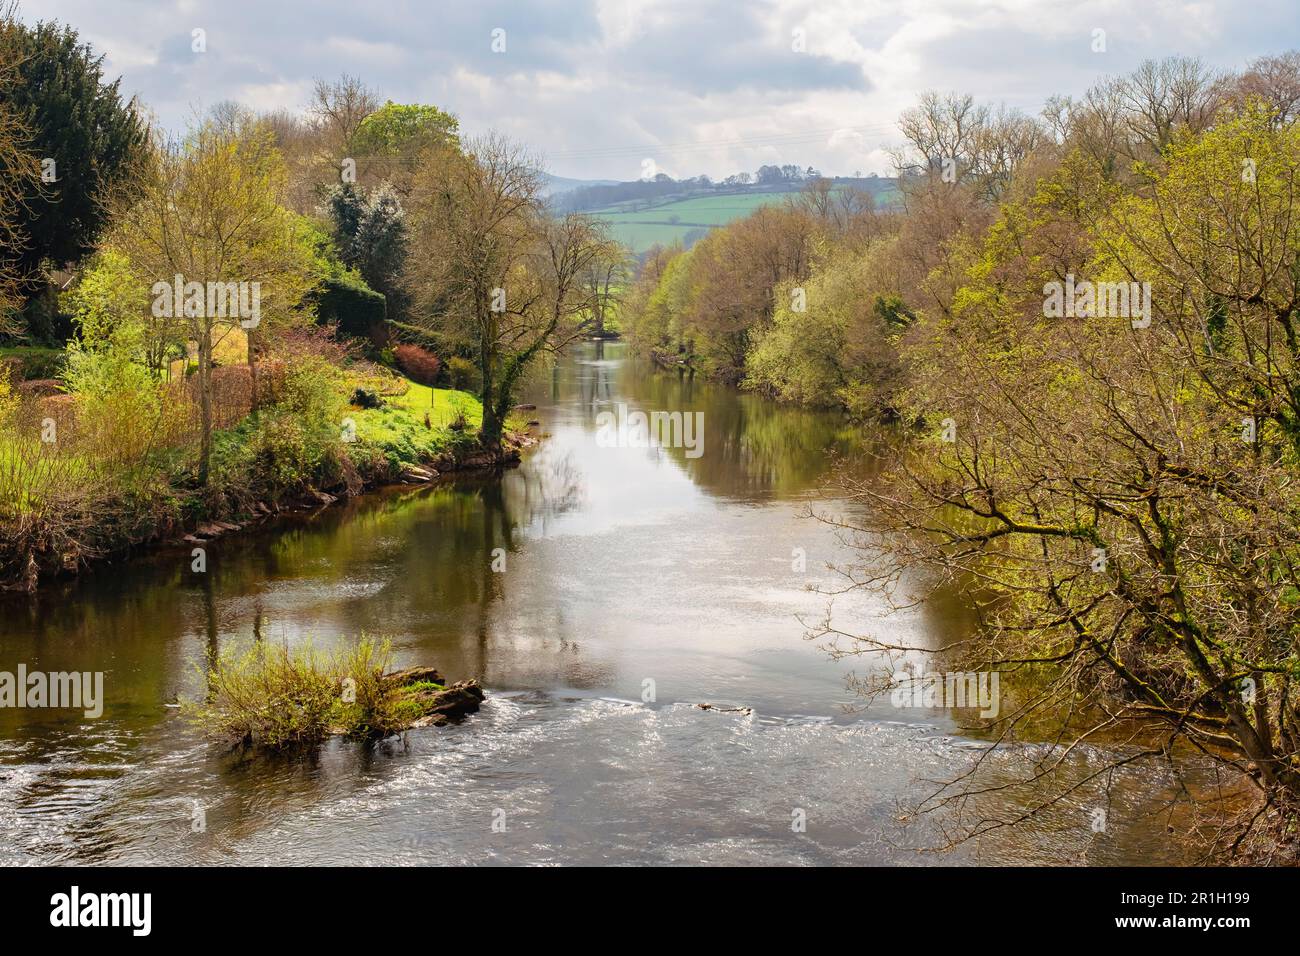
(86, 476)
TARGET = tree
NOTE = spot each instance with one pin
(370, 232)
(19, 176)
(397, 128)
(838, 347)
(489, 268)
(339, 109)
(604, 279)
(110, 306)
(1119, 499)
(1276, 81)
(209, 211)
(941, 127)
(952, 138)
(88, 140)
(735, 271)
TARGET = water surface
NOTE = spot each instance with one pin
(627, 569)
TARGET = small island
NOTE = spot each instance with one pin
(273, 697)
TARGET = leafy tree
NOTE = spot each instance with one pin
(78, 125)
(838, 347)
(111, 309)
(209, 210)
(1120, 502)
(369, 228)
(397, 129)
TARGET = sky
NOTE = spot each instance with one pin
(602, 88)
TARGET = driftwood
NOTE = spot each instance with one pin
(437, 707)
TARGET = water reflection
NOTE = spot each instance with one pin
(626, 569)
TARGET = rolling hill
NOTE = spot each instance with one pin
(685, 217)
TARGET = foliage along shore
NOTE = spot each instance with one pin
(286, 456)
(1086, 321)
(207, 327)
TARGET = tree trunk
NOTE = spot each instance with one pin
(205, 403)
(252, 373)
(489, 433)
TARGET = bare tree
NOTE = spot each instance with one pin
(1276, 81)
(339, 108)
(490, 268)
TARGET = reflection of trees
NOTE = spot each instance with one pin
(752, 446)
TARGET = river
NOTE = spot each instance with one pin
(627, 570)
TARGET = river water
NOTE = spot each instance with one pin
(627, 570)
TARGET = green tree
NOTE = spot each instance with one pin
(210, 211)
(88, 140)
(489, 268)
(369, 229)
(397, 129)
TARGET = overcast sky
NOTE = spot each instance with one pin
(712, 86)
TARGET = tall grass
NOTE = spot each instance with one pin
(274, 696)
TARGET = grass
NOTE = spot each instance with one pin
(669, 219)
(275, 697)
(30, 474)
(399, 431)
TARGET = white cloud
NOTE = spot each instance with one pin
(698, 85)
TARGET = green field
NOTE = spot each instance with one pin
(641, 224)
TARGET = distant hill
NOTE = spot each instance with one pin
(553, 185)
(667, 212)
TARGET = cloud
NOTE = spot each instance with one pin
(697, 85)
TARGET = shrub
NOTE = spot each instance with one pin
(420, 365)
(463, 373)
(32, 361)
(366, 398)
(276, 697)
(348, 304)
(9, 401)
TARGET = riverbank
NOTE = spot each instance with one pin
(598, 589)
(320, 436)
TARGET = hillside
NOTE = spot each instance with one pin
(687, 215)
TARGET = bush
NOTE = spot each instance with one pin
(9, 401)
(351, 306)
(32, 361)
(275, 697)
(366, 398)
(420, 365)
(463, 373)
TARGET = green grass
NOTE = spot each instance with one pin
(398, 428)
(30, 475)
(669, 219)
(642, 228)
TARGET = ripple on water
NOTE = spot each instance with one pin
(572, 780)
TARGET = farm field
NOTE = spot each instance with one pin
(640, 224)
